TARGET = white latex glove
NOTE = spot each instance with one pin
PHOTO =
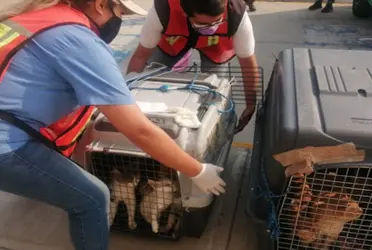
(209, 181)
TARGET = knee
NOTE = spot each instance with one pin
(102, 195)
(98, 197)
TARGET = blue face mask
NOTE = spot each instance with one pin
(111, 28)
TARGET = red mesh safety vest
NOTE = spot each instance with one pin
(178, 37)
(14, 34)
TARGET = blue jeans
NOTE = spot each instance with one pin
(36, 172)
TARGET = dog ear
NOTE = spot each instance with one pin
(116, 175)
(136, 180)
(152, 183)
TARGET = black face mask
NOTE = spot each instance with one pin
(110, 29)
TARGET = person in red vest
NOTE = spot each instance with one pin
(318, 5)
(250, 4)
(55, 66)
(218, 29)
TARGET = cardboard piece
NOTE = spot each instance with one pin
(359, 156)
(304, 167)
(300, 161)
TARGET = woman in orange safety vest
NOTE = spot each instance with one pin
(55, 67)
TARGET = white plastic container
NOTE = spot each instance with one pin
(207, 136)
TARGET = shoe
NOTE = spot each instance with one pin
(252, 8)
(328, 8)
(317, 5)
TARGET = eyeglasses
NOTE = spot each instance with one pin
(206, 26)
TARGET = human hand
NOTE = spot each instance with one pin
(245, 118)
(208, 179)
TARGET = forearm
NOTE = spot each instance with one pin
(251, 79)
(149, 38)
(139, 59)
(151, 139)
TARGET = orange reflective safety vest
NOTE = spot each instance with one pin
(179, 36)
(14, 34)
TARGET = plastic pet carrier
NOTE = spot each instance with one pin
(315, 98)
(146, 197)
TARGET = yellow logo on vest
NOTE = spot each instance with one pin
(7, 35)
(213, 40)
(172, 40)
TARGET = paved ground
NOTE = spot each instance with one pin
(33, 226)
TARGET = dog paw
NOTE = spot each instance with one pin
(155, 227)
(132, 225)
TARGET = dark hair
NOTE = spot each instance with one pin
(204, 7)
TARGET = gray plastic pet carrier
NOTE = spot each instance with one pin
(315, 97)
(193, 108)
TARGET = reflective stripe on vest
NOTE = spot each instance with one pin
(217, 47)
(14, 34)
(9, 31)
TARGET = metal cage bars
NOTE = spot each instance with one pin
(145, 196)
(328, 209)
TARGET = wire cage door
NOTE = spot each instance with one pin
(145, 195)
(328, 209)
